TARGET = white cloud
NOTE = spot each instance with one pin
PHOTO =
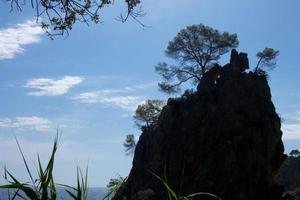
(146, 85)
(5, 122)
(291, 128)
(119, 98)
(28, 123)
(13, 40)
(36, 123)
(107, 97)
(52, 87)
(291, 131)
(128, 89)
(141, 86)
(294, 116)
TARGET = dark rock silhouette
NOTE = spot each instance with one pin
(292, 195)
(289, 174)
(223, 139)
(238, 63)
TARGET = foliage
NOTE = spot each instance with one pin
(262, 73)
(60, 16)
(194, 49)
(289, 173)
(266, 59)
(80, 192)
(295, 153)
(129, 144)
(113, 186)
(44, 187)
(145, 115)
(145, 194)
(148, 113)
(173, 196)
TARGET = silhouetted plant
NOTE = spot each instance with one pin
(148, 113)
(43, 187)
(294, 153)
(173, 196)
(194, 49)
(129, 144)
(80, 192)
(145, 194)
(145, 115)
(60, 16)
(266, 60)
(113, 186)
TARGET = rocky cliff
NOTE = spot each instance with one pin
(289, 174)
(289, 177)
(225, 139)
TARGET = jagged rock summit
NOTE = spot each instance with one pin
(224, 139)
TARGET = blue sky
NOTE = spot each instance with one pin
(89, 83)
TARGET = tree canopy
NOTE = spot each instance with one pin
(295, 153)
(113, 186)
(145, 115)
(266, 59)
(148, 113)
(57, 17)
(194, 50)
(129, 144)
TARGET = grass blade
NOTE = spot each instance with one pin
(169, 189)
(204, 194)
(26, 165)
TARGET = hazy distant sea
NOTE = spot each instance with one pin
(94, 194)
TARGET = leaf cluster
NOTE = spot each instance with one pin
(44, 187)
(200, 45)
(113, 186)
(194, 49)
(173, 76)
(266, 59)
(129, 144)
(58, 16)
(80, 192)
(148, 113)
(294, 153)
(173, 196)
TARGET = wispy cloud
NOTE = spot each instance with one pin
(119, 98)
(5, 122)
(291, 129)
(52, 87)
(141, 86)
(108, 98)
(295, 116)
(28, 123)
(13, 40)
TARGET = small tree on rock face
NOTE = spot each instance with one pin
(295, 153)
(113, 186)
(194, 49)
(145, 115)
(129, 144)
(266, 59)
(148, 113)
